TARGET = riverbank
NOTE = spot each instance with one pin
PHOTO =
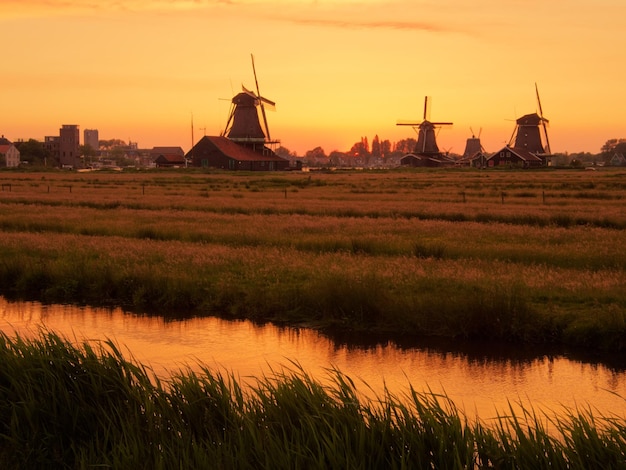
(85, 405)
(513, 256)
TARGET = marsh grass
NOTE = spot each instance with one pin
(86, 406)
(393, 252)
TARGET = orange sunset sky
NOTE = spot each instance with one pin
(338, 70)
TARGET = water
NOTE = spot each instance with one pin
(482, 381)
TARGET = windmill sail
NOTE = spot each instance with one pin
(543, 121)
(243, 124)
(426, 135)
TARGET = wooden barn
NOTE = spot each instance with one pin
(223, 153)
(527, 148)
(514, 157)
(474, 154)
(245, 144)
(413, 160)
(164, 157)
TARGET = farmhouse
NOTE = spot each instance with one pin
(618, 159)
(9, 154)
(223, 153)
(514, 157)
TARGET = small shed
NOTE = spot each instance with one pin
(167, 156)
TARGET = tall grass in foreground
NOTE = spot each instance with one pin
(64, 406)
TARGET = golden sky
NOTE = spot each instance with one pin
(337, 70)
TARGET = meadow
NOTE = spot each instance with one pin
(532, 256)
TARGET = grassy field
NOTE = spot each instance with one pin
(533, 256)
(85, 406)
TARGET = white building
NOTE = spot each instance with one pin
(9, 154)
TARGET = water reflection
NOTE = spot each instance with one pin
(481, 379)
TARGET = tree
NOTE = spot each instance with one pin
(312, 157)
(88, 152)
(285, 152)
(111, 144)
(376, 150)
(336, 158)
(405, 146)
(385, 148)
(360, 149)
(33, 152)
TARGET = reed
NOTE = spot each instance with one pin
(392, 252)
(68, 406)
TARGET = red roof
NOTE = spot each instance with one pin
(522, 154)
(238, 152)
(156, 151)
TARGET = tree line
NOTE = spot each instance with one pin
(36, 154)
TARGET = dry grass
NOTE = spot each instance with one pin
(521, 255)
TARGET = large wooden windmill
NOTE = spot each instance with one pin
(527, 134)
(244, 144)
(243, 125)
(426, 135)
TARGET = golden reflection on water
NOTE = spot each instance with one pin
(479, 387)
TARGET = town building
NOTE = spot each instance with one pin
(69, 146)
(91, 138)
(9, 154)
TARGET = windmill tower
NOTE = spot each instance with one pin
(243, 125)
(527, 134)
(474, 154)
(426, 135)
(473, 145)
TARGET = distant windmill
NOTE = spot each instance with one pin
(426, 140)
(527, 132)
(243, 125)
(473, 146)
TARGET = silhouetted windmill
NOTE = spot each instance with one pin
(527, 132)
(473, 146)
(243, 125)
(426, 140)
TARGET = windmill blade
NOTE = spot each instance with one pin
(408, 123)
(442, 123)
(538, 101)
(427, 105)
(231, 115)
(512, 136)
(269, 103)
(258, 93)
(544, 121)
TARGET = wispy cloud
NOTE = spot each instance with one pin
(365, 24)
(359, 14)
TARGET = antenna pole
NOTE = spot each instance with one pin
(192, 140)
